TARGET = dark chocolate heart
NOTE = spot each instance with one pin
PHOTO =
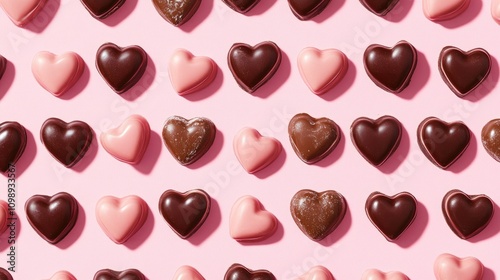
(52, 217)
(441, 142)
(379, 7)
(12, 143)
(490, 137)
(253, 66)
(129, 274)
(313, 139)
(317, 214)
(467, 215)
(376, 140)
(3, 66)
(391, 215)
(5, 275)
(101, 9)
(66, 142)
(391, 68)
(464, 71)
(185, 212)
(188, 140)
(307, 9)
(241, 6)
(240, 272)
(177, 12)
(121, 68)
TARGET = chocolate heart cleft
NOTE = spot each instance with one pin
(128, 274)
(3, 66)
(241, 6)
(13, 141)
(379, 7)
(307, 9)
(176, 12)
(101, 9)
(240, 272)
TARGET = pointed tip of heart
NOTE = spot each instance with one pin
(249, 221)
(187, 272)
(448, 266)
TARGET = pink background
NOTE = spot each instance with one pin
(156, 250)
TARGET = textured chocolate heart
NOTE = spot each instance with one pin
(52, 217)
(441, 142)
(185, 212)
(253, 66)
(317, 214)
(379, 7)
(490, 137)
(464, 71)
(391, 215)
(241, 6)
(391, 68)
(5, 275)
(3, 66)
(101, 9)
(313, 139)
(188, 140)
(129, 274)
(307, 9)
(66, 142)
(376, 140)
(467, 215)
(177, 12)
(12, 143)
(121, 68)
(240, 272)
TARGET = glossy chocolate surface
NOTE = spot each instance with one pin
(176, 12)
(5, 275)
(12, 143)
(101, 9)
(3, 65)
(379, 7)
(490, 137)
(307, 9)
(129, 274)
(240, 272)
(241, 6)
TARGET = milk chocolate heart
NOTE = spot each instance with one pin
(448, 267)
(391, 68)
(379, 7)
(253, 66)
(307, 9)
(176, 12)
(185, 212)
(129, 274)
(12, 143)
(318, 214)
(66, 142)
(52, 217)
(464, 71)
(101, 9)
(490, 137)
(467, 215)
(240, 272)
(376, 140)
(391, 215)
(188, 140)
(22, 12)
(441, 142)
(241, 6)
(313, 139)
(5, 275)
(3, 66)
(121, 68)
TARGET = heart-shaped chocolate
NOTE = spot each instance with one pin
(66, 142)
(391, 215)
(438, 10)
(101, 9)
(318, 214)
(447, 267)
(177, 12)
(490, 137)
(188, 140)
(313, 139)
(187, 272)
(467, 215)
(121, 68)
(241, 6)
(12, 143)
(22, 12)
(441, 142)
(255, 151)
(3, 65)
(390, 68)
(185, 212)
(376, 140)
(240, 272)
(317, 273)
(5, 275)
(379, 7)
(307, 9)
(128, 274)
(249, 221)
(253, 66)
(52, 217)
(375, 274)
(63, 275)
(464, 71)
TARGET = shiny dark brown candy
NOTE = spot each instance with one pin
(101, 9)
(3, 66)
(13, 141)
(176, 12)
(307, 9)
(240, 272)
(379, 7)
(5, 275)
(241, 6)
(129, 274)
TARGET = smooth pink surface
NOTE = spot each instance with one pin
(62, 275)
(189, 73)
(444, 9)
(22, 11)
(4, 215)
(450, 267)
(250, 221)
(255, 151)
(187, 272)
(495, 10)
(375, 274)
(317, 273)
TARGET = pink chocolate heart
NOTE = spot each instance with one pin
(189, 73)
(375, 274)
(249, 221)
(450, 267)
(22, 11)
(187, 272)
(4, 214)
(317, 273)
(62, 275)
(255, 151)
(495, 10)
(437, 10)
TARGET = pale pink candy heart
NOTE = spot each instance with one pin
(120, 218)
(437, 10)
(189, 73)
(57, 73)
(321, 70)
(127, 142)
(450, 267)
(317, 273)
(22, 11)
(62, 275)
(249, 221)
(495, 10)
(187, 273)
(255, 151)
(375, 274)
(4, 214)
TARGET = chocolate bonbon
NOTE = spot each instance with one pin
(448, 267)
(307, 9)
(240, 272)
(3, 66)
(490, 137)
(317, 273)
(128, 274)
(4, 215)
(187, 272)
(254, 151)
(13, 141)
(379, 7)
(249, 221)
(62, 275)
(189, 73)
(438, 10)
(22, 12)
(375, 274)
(495, 10)
(176, 12)
(241, 6)
(464, 71)
(5, 275)
(101, 9)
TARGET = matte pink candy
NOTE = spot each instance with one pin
(495, 10)
(4, 214)
(187, 272)
(57, 73)
(127, 142)
(120, 218)
(189, 73)
(375, 274)
(450, 267)
(22, 11)
(437, 10)
(317, 273)
(321, 70)
(249, 220)
(62, 275)
(255, 151)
